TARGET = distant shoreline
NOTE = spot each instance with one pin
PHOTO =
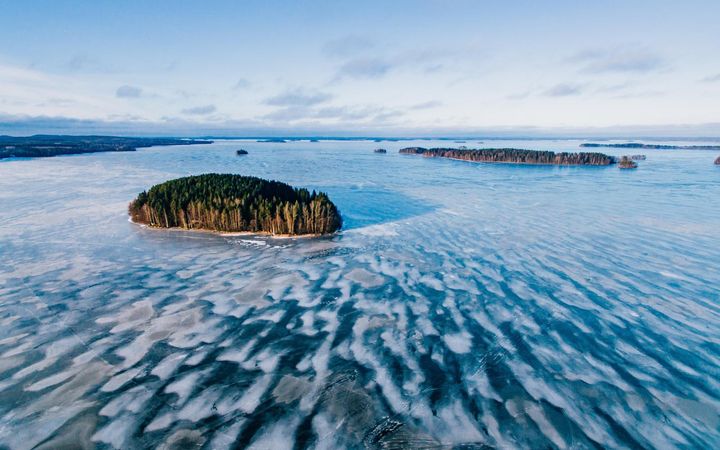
(519, 163)
(513, 156)
(634, 145)
(48, 145)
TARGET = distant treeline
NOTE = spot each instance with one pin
(45, 145)
(653, 146)
(513, 155)
(225, 202)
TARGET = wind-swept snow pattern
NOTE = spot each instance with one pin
(475, 306)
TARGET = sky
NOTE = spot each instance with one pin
(369, 68)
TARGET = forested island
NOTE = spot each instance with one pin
(515, 156)
(235, 203)
(380, 150)
(46, 145)
(636, 145)
(627, 163)
(241, 152)
(717, 161)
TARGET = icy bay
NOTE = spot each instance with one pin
(477, 304)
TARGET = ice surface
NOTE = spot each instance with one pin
(464, 305)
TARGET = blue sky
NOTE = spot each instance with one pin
(390, 68)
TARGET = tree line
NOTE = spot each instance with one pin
(46, 145)
(513, 155)
(653, 146)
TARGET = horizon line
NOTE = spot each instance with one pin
(327, 137)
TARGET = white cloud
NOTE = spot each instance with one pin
(347, 46)
(364, 68)
(298, 97)
(621, 60)
(711, 78)
(242, 83)
(564, 90)
(200, 110)
(427, 105)
(126, 91)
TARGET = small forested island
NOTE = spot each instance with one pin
(717, 161)
(652, 146)
(515, 156)
(47, 145)
(627, 163)
(235, 203)
(241, 152)
(638, 157)
(380, 150)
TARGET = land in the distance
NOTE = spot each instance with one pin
(635, 145)
(627, 162)
(46, 145)
(515, 156)
(235, 203)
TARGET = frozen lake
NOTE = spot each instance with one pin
(463, 305)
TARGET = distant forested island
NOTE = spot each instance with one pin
(235, 203)
(46, 145)
(516, 156)
(627, 162)
(636, 145)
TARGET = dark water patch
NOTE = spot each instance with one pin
(366, 206)
(304, 436)
(435, 384)
(76, 434)
(622, 434)
(347, 315)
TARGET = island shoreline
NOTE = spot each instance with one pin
(233, 233)
(518, 163)
(514, 156)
